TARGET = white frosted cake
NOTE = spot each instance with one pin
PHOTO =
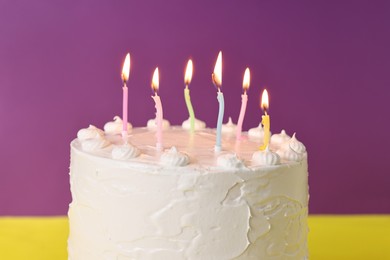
(187, 202)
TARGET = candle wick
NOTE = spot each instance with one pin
(265, 111)
(186, 86)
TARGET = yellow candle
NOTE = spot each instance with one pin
(266, 122)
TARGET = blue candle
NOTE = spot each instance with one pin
(217, 81)
(221, 102)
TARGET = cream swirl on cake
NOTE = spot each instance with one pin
(257, 132)
(199, 124)
(125, 151)
(152, 124)
(266, 157)
(89, 133)
(229, 127)
(173, 157)
(116, 126)
(230, 161)
(292, 150)
(92, 138)
(278, 139)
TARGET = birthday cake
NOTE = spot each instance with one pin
(186, 201)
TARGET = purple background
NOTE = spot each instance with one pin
(326, 65)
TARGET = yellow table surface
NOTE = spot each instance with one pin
(331, 237)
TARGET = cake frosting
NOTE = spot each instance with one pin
(151, 124)
(186, 202)
(116, 126)
(278, 139)
(199, 124)
(229, 127)
(257, 132)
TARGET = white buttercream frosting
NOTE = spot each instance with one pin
(89, 133)
(296, 145)
(124, 152)
(266, 157)
(292, 150)
(151, 124)
(92, 138)
(116, 126)
(173, 157)
(230, 161)
(95, 144)
(199, 124)
(229, 127)
(278, 139)
(215, 207)
(257, 132)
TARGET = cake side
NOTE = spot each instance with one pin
(142, 209)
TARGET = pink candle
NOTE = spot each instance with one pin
(125, 109)
(159, 110)
(244, 101)
(125, 77)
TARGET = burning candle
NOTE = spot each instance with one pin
(217, 81)
(187, 81)
(244, 101)
(125, 78)
(265, 120)
(159, 110)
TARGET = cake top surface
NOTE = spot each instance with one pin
(184, 148)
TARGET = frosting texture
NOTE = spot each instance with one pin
(89, 133)
(116, 126)
(229, 127)
(292, 150)
(199, 124)
(166, 206)
(230, 161)
(257, 132)
(172, 157)
(266, 157)
(151, 124)
(278, 139)
(124, 152)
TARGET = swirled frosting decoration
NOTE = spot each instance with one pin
(173, 157)
(231, 161)
(199, 124)
(266, 157)
(89, 133)
(151, 124)
(229, 127)
(124, 152)
(257, 132)
(292, 150)
(115, 127)
(278, 139)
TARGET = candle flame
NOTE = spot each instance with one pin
(217, 75)
(264, 100)
(247, 79)
(155, 81)
(126, 68)
(188, 75)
